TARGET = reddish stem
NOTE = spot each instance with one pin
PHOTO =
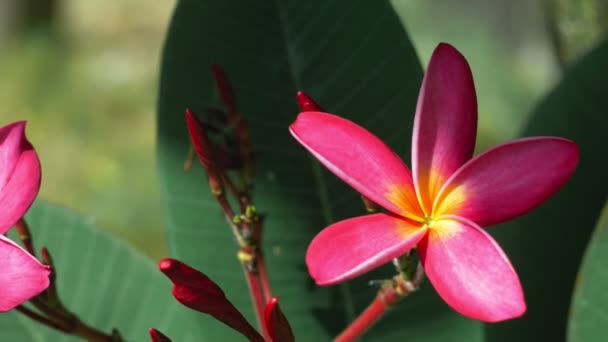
(51, 311)
(385, 298)
(241, 196)
(263, 278)
(388, 295)
(41, 318)
(257, 296)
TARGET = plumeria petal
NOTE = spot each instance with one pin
(19, 174)
(357, 245)
(445, 124)
(11, 137)
(360, 159)
(470, 271)
(21, 277)
(508, 180)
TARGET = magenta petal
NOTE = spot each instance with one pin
(355, 246)
(19, 175)
(22, 276)
(360, 159)
(470, 271)
(445, 124)
(11, 138)
(508, 180)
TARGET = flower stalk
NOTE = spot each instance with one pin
(50, 309)
(218, 159)
(390, 292)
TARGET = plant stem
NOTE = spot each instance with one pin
(91, 334)
(245, 223)
(257, 297)
(68, 324)
(385, 298)
(41, 318)
(263, 278)
(391, 292)
(51, 311)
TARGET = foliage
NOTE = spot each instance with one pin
(355, 59)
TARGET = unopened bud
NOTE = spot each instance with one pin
(199, 139)
(224, 88)
(204, 150)
(157, 336)
(195, 290)
(277, 324)
(307, 104)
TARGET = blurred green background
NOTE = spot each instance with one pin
(84, 74)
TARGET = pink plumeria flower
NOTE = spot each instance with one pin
(21, 275)
(441, 206)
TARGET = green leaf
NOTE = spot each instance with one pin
(355, 60)
(102, 280)
(546, 245)
(590, 302)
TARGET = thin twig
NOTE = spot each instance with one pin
(41, 319)
(387, 296)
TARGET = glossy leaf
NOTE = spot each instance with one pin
(546, 245)
(353, 59)
(587, 319)
(104, 281)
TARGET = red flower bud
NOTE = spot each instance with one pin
(224, 88)
(276, 323)
(157, 336)
(199, 139)
(307, 104)
(204, 149)
(196, 291)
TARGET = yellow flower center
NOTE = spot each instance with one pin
(427, 221)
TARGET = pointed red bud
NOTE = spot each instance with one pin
(199, 139)
(196, 291)
(157, 336)
(204, 150)
(307, 104)
(276, 323)
(224, 88)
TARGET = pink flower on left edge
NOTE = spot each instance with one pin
(440, 206)
(21, 275)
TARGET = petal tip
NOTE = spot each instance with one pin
(165, 265)
(516, 311)
(444, 45)
(447, 49)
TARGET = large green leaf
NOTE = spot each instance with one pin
(546, 246)
(355, 59)
(590, 302)
(101, 279)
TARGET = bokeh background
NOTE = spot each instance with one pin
(84, 74)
